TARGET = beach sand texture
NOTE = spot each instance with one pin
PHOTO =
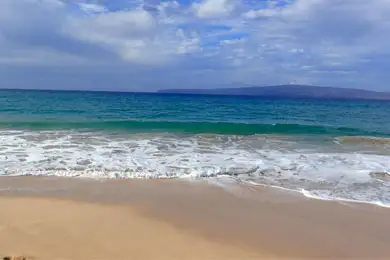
(49, 218)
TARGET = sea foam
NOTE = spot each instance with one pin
(318, 169)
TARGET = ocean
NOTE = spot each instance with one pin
(326, 149)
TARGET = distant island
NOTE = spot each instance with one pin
(288, 91)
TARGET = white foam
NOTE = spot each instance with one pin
(267, 160)
(324, 197)
(309, 194)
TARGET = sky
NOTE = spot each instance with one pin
(146, 45)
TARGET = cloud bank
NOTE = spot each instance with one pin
(144, 45)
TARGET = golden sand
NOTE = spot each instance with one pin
(49, 218)
(58, 229)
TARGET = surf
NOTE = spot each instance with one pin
(268, 160)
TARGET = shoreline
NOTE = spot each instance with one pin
(217, 184)
(250, 223)
(308, 195)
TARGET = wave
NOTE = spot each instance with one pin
(191, 127)
(269, 161)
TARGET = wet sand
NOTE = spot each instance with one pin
(51, 218)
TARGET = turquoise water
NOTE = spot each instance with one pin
(330, 149)
(191, 114)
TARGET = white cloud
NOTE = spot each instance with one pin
(225, 41)
(92, 8)
(127, 33)
(121, 22)
(213, 8)
(356, 28)
(41, 57)
(253, 14)
(49, 3)
(135, 35)
(188, 44)
(233, 41)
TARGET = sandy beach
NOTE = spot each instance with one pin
(51, 218)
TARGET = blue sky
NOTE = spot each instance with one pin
(145, 45)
